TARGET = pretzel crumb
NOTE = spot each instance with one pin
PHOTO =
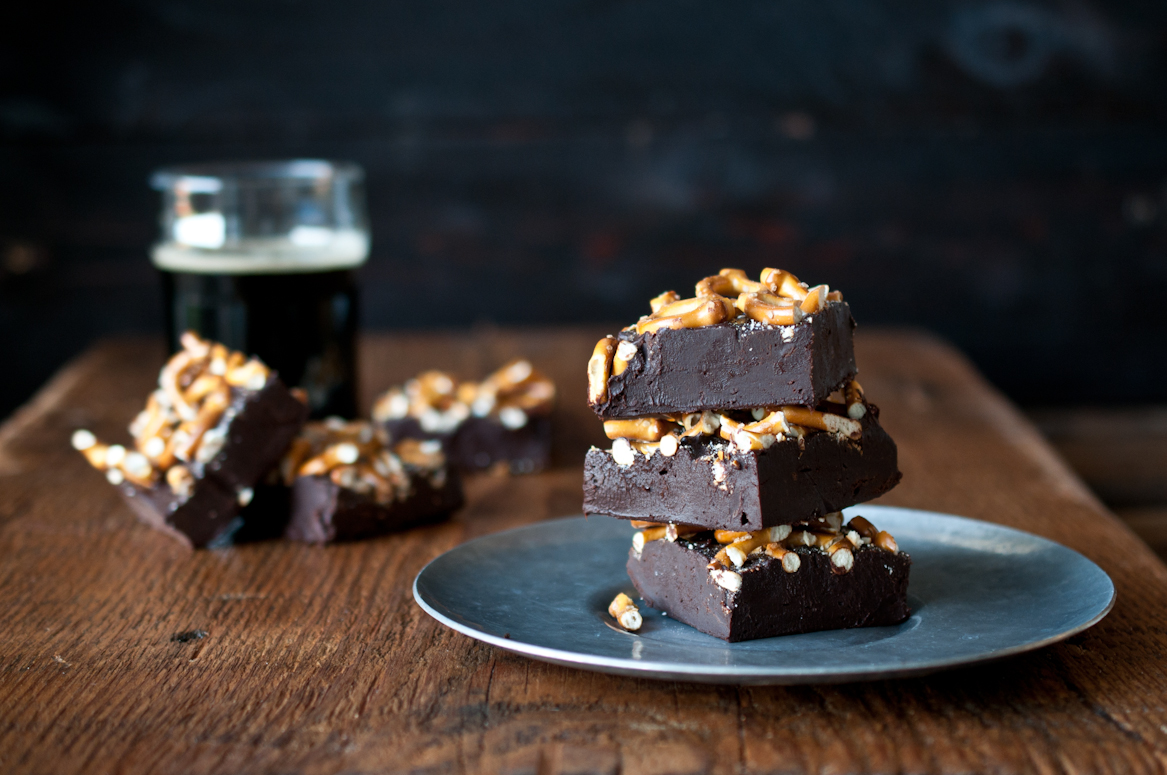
(789, 560)
(644, 536)
(625, 612)
(885, 541)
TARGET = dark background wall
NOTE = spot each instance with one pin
(994, 171)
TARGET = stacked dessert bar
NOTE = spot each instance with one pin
(739, 434)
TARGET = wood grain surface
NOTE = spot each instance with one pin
(316, 659)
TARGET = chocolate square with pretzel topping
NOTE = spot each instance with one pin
(349, 482)
(502, 421)
(325, 512)
(216, 425)
(254, 430)
(761, 599)
(712, 483)
(733, 365)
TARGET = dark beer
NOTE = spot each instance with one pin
(260, 256)
(303, 325)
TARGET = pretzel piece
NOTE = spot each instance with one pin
(728, 282)
(789, 560)
(625, 352)
(638, 429)
(885, 541)
(688, 313)
(335, 455)
(816, 299)
(853, 396)
(864, 528)
(668, 297)
(644, 536)
(783, 283)
(599, 368)
(625, 612)
(824, 421)
(757, 308)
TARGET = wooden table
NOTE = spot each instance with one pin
(317, 660)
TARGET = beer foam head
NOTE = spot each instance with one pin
(305, 249)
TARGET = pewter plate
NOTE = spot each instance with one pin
(977, 592)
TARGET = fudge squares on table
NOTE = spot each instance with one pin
(701, 475)
(711, 352)
(503, 421)
(217, 423)
(349, 483)
(739, 432)
(802, 582)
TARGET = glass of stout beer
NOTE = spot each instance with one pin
(260, 256)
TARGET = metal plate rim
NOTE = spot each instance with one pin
(752, 675)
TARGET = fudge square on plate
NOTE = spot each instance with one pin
(712, 482)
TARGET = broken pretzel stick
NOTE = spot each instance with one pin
(638, 429)
(625, 352)
(739, 551)
(644, 536)
(853, 396)
(842, 558)
(816, 299)
(599, 368)
(789, 560)
(625, 612)
(675, 532)
(809, 418)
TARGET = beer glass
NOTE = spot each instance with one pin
(260, 256)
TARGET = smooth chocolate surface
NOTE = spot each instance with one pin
(674, 578)
(209, 516)
(259, 426)
(734, 366)
(323, 512)
(480, 442)
(783, 485)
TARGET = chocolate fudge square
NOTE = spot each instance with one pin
(254, 432)
(480, 443)
(349, 482)
(207, 516)
(502, 421)
(712, 483)
(761, 599)
(216, 425)
(733, 365)
(325, 512)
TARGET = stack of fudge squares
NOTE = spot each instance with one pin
(739, 435)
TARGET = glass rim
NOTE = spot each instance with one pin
(210, 176)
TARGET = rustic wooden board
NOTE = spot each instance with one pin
(316, 659)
